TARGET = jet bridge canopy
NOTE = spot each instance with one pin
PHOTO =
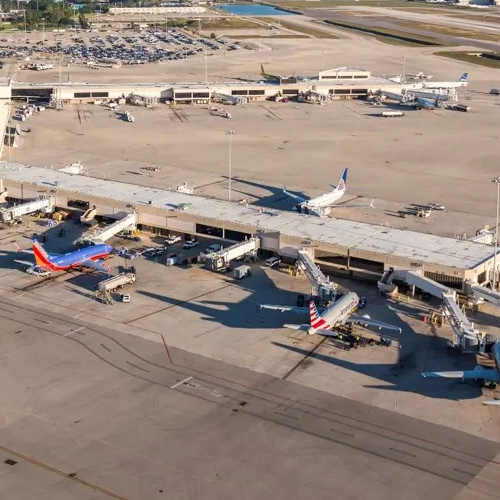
(220, 260)
(324, 289)
(45, 204)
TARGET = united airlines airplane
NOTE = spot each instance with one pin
(321, 204)
(339, 313)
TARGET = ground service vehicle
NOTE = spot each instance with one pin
(171, 240)
(241, 271)
(273, 262)
(190, 244)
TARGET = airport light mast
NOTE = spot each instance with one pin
(496, 180)
(230, 134)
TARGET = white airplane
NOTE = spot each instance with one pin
(490, 375)
(339, 313)
(321, 204)
(461, 82)
(414, 100)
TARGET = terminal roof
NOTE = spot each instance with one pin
(408, 245)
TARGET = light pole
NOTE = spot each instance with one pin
(230, 133)
(496, 180)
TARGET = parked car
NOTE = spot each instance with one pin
(37, 271)
(273, 261)
(171, 240)
(190, 244)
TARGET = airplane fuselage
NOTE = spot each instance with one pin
(74, 259)
(338, 312)
(324, 200)
(444, 85)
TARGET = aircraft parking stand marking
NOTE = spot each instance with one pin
(181, 382)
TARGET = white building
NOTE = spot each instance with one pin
(156, 10)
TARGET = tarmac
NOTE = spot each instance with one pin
(88, 412)
(191, 390)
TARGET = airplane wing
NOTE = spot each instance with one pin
(295, 309)
(370, 322)
(486, 374)
(305, 328)
(294, 196)
(371, 205)
(95, 265)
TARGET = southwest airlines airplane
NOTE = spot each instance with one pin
(90, 257)
(339, 313)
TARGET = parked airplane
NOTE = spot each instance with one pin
(90, 257)
(414, 100)
(461, 82)
(339, 313)
(424, 102)
(322, 204)
(277, 78)
(490, 375)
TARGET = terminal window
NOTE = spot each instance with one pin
(100, 94)
(239, 92)
(183, 95)
(201, 95)
(256, 92)
(81, 95)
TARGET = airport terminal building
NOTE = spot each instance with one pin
(337, 83)
(337, 246)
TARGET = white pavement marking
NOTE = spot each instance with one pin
(74, 331)
(181, 382)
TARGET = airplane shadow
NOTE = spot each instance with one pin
(276, 198)
(246, 313)
(404, 376)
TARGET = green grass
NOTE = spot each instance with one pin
(299, 28)
(451, 31)
(224, 23)
(468, 57)
(243, 37)
(385, 34)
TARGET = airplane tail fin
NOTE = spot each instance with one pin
(41, 256)
(262, 72)
(316, 321)
(464, 77)
(341, 186)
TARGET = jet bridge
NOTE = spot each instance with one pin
(481, 292)
(44, 204)
(220, 260)
(105, 233)
(413, 278)
(465, 336)
(323, 288)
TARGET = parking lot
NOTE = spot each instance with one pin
(86, 47)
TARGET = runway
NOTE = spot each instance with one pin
(235, 404)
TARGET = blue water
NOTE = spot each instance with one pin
(251, 9)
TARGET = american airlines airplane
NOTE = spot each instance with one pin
(461, 82)
(90, 257)
(321, 204)
(339, 313)
(490, 375)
